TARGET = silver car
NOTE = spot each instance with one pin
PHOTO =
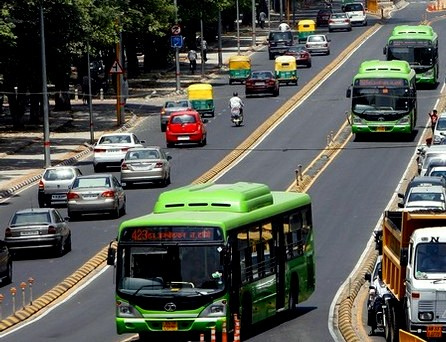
(339, 21)
(54, 184)
(170, 107)
(318, 43)
(148, 164)
(111, 148)
(38, 228)
(96, 193)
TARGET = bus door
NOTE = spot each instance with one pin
(280, 264)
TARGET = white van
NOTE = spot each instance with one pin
(356, 12)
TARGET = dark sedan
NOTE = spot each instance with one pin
(38, 228)
(303, 57)
(323, 16)
(262, 82)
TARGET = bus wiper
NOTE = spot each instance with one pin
(143, 286)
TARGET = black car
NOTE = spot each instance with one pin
(323, 16)
(279, 42)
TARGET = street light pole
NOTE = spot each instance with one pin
(253, 4)
(220, 54)
(46, 121)
(201, 45)
(238, 29)
(177, 53)
(90, 103)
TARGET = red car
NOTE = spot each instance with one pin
(262, 82)
(303, 57)
(186, 127)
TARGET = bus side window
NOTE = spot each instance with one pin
(256, 250)
(294, 239)
(245, 256)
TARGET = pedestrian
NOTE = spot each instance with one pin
(434, 118)
(204, 49)
(262, 19)
(192, 57)
(284, 27)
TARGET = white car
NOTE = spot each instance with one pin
(318, 43)
(356, 12)
(427, 154)
(438, 171)
(440, 129)
(111, 149)
(425, 198)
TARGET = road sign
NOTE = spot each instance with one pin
(116, 68)
(176, 41)
(176, 29)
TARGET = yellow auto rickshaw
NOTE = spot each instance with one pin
(201, 95)
(239, 68)
(305, 27)
(286, 69)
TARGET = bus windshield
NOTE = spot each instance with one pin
(366, 99)
(180, 270)
(416, 56)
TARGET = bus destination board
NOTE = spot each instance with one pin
(171, 234)
(381, 82)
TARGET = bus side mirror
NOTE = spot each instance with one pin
(348, 94)
(111, 255)
(404, 257)
(385, 50)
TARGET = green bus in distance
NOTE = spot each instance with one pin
(384, 98)
(418, 45)
(210, 251)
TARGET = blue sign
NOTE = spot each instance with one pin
(176, 41)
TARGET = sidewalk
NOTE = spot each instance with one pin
(22, 152)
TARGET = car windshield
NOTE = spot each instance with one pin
(259, 75)
(426, 196)
(115, 139)
(316, 39)
(96, 182)
(21, 219)
(53, 174)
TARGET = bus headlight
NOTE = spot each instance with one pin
(430, 72)
(216, 309)
(125, 310)
(426, 316)
(403, 121)
(357, 120)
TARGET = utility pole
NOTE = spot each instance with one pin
(201, 45)
(238, 28)
(177, 53)
(220, 54)
(90, 98)
(46, 119)
(253, 4)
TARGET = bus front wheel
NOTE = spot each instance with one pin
(294, 296)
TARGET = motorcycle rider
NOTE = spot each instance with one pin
(236, 103)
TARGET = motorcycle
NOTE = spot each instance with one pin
(236, 116)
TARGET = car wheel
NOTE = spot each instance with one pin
(230, 82)
(41, 203)
(309, 65)
(97, 168)
(328, 52)
(58, 249)
(115, 213)
(276, 93)
(163, 127)
(72, 215)
(330, 30)
(123, 210)
(67, 246)
(8, 278)
(349, 29)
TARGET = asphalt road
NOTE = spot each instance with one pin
(348, 198)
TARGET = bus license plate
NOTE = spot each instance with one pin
(380, 129)
(434, 331)
(170, 326)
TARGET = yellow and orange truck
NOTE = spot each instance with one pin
(413, 246)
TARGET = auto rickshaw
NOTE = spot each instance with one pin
(239, 68)
(201, 96)
(305, 27)
(286, 69)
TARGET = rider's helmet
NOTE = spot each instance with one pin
(235, 93)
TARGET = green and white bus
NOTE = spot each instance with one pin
(210, 251)
(384, 98)
(418, 45)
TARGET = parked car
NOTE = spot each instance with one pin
(38, 228)
(170, 107)
(54, 184)
(426, 198)
(356, 12)
(146, 164)
(96, 193)
(322, 17)
(437, 171)
(262, 82)
(339, 21)
(111, 148)
(303, 57)
(5, 264)
(422, 181)
(278, 43)
(427, 154)
(440, 129)
(186, 127)
(318, 43)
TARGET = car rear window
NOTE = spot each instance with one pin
(276, 36)
(65, 174)
(316, 39)
(354, 7)
(115, 139)
(30, 218)
(98, 182)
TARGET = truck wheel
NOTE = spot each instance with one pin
(391, 327)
